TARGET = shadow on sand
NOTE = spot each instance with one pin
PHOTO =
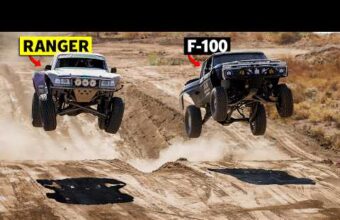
(263, 177)
(87, 191)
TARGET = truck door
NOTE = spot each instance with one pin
(205, 81)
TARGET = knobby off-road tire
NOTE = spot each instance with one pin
(36, 117)
(218, 104)
(48, 114)
(284, 105)
(115, 117)
(193, 121)
(258, 121)
(101, 121)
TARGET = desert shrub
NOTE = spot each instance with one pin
(174, 61)
(288, 37)
(336, 142)
(134, 35)
(298, 92)
(301, 111)
(327, 114)
(311, 93)
(259, 36)
(156, 59)
(316, 131)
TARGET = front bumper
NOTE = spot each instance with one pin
(80, 94)
(249, 72)
(73, 88)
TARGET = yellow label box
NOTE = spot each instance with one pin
(50, 45)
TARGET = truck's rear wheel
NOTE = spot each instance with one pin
(284, 105)
(218, 104)
(258, 120)
(48, 114)
(193, 121)
(115, 116)
(36, 117)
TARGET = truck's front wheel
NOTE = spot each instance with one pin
(219, 104)
(193, 121)
(258, 119)
(48, 114)
(115, 116)
(284, 105)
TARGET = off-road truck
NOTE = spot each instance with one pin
(236, 82)
(73, 84)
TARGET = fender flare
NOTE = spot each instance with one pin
(181, 101)
(39, 83)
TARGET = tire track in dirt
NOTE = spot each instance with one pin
(17, 88)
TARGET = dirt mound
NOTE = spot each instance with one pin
(328, 55)
(148, 124)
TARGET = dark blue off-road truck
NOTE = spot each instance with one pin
(236, 82)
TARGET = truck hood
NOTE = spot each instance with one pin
(82, 72)
(257, 62)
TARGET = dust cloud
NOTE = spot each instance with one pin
(211, 149)
(18, 142)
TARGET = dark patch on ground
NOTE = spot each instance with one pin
(86, 191)
(263, 177)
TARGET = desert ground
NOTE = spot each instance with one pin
(150, 169)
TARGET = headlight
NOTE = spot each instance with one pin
(107, 83)
(77, 82)
(93, 83)
(271, 71)
(85, 82)
(62, 81)
(282, 70)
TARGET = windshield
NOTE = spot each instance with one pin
(80, 62)
(237, 57)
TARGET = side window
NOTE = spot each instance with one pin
(208, 66)
(203, 69)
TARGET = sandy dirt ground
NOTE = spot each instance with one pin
(150, 170)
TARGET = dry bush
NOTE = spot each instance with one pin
(259, 36)
(135, 35)
(336, 142)
(288, 37)
(156, 59)
(301, 111)
(316, 91)
(234, 36)
(298, 91)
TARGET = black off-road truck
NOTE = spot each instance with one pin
(237, 82)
